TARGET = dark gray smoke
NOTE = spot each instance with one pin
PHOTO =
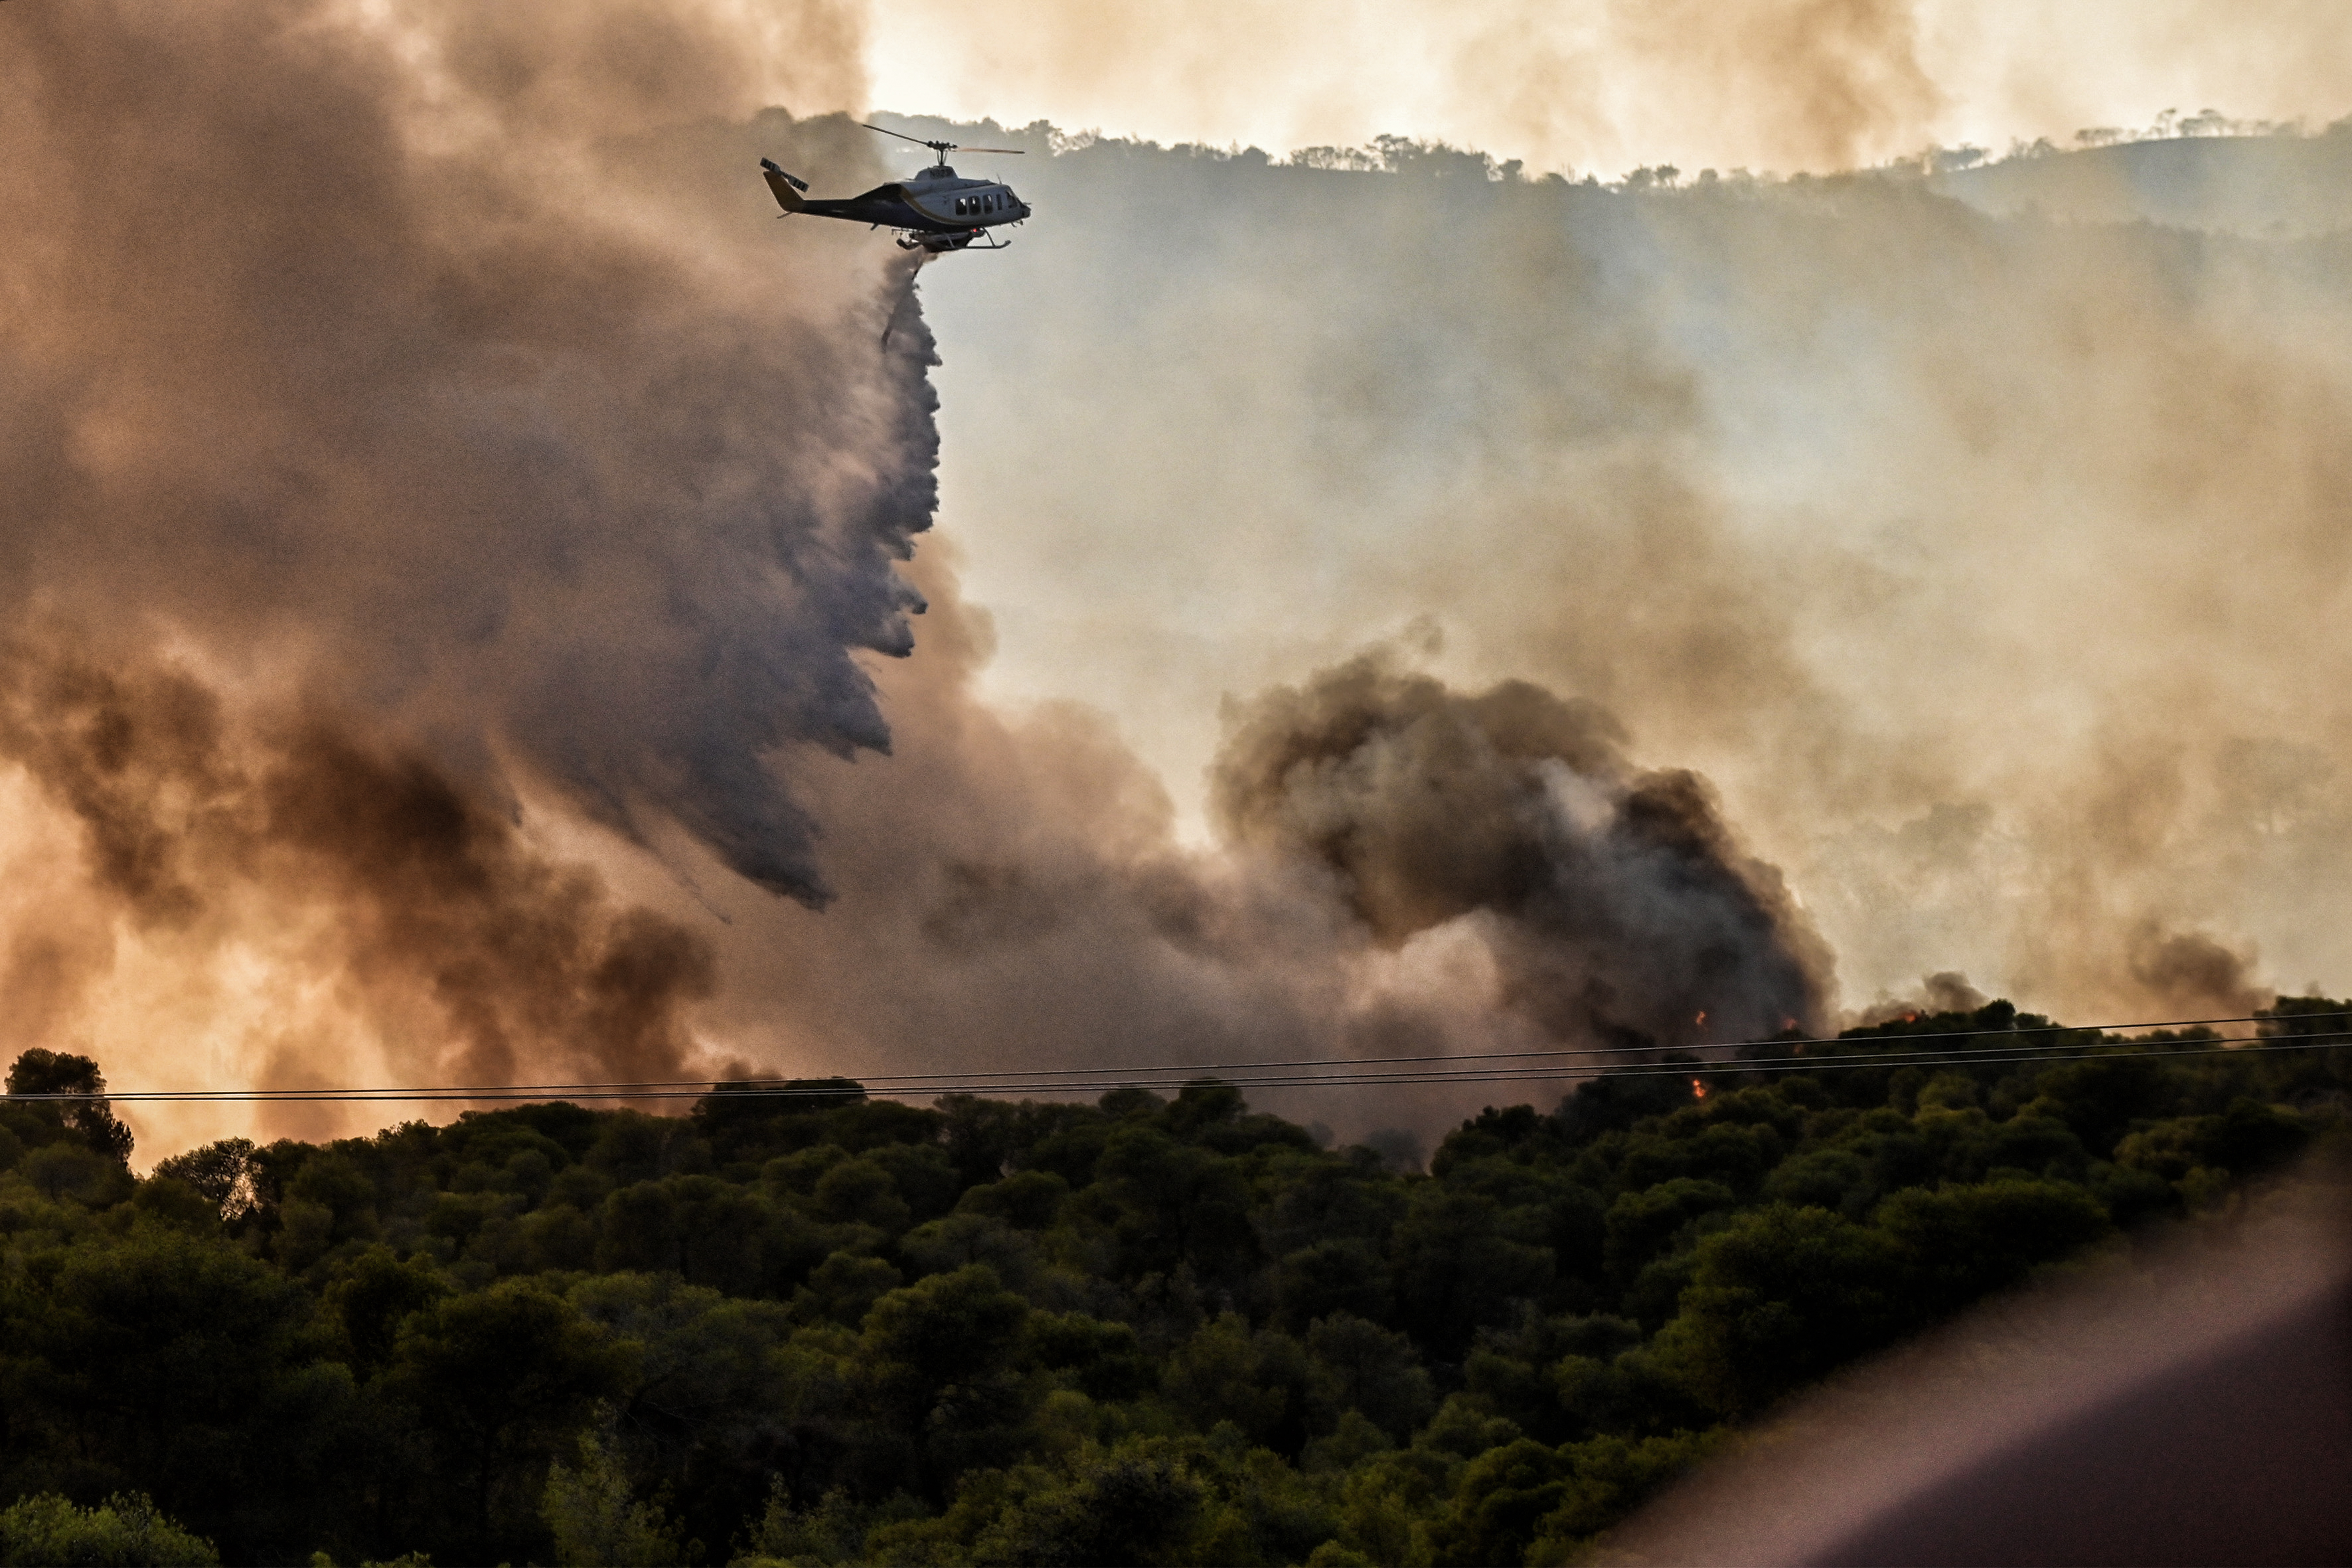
(429, 910)
(1623, 910)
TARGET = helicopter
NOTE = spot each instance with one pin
(934, 210)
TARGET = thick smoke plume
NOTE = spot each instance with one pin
(408, 414)
(430, 912)
(1623, 910)
(1016, 892)
(416, 356)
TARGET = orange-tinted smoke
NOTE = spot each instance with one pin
(429, 908)
(407, 413)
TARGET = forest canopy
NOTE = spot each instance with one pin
(827, 1327)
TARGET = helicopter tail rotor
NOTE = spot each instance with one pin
(788, 187)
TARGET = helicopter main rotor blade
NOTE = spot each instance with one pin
(1017, 151)
(900, 135)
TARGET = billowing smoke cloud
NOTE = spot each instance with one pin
(1403, 872)
(414, 355)
(407, 413)
(431, 913)
(1624, 911)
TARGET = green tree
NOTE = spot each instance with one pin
(84, 1113)
(498, 1379)
(1966, 1241)
(1779, 1297)
(1345, 1274)
(373, 1296)
(65, 1169)
(1138, 1331)
(1456, 1268)
(595, 1518)
(703, 1394)
(1257, 1381)
(1645, 1222)
(1503, 1495)
(1139, 1504)
(1609, 1477)
(168, 1362)
(937, 1358)
(1359, 1365)
(126, 1530)
(1175, 1203)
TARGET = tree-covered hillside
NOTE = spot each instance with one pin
(826, 1327)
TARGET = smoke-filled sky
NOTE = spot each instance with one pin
(1988, 565)
(1608, 85)
(471, 616)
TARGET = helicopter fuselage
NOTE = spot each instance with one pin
(935, 210)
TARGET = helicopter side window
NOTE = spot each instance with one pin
(959, 206)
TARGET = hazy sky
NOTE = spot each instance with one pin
(1608, 85)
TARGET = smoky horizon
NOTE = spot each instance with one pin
(475, 613)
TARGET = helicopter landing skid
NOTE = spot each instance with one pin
(947, 243)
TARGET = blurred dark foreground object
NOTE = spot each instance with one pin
(2196, 1410)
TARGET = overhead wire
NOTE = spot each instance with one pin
(1847, 1054)
(1037, 1079)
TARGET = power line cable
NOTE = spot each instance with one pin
(1040, 1080)
(2244, 1046)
